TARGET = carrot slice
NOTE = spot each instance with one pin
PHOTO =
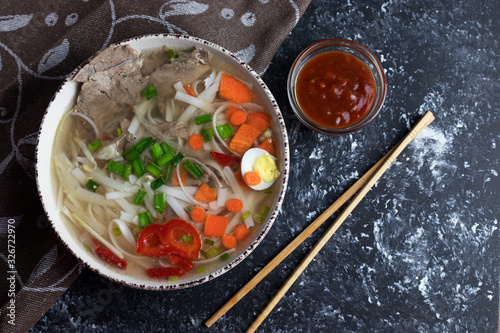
(195, 141)
(241, 232)
(198, 214)
(205, 194)
(258, 120)
(215, 225)
(243, 139)
(241, 181)
(238, 117)
(234, 90)
(183, 173)
(268, 146)
(252, 178)
(234, 205)
(229, 241)
(230, 111)
(189, 90)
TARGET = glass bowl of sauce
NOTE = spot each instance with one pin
(336, 86)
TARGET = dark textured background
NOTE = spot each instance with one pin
(420, 253)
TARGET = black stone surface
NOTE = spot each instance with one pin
(421, 252)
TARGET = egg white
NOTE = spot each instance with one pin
(247, 161)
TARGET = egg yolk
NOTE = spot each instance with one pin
(265, 166)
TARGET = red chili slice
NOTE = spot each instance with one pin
(183, 263)
(225, 160)
(149, 242)
(176, 236)
(108, 256)
(164, 272)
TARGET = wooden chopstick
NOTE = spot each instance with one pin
(424, 121)
(308, 231)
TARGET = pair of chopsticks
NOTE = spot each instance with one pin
(363, 185)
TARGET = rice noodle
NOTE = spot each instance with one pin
(60, 197)
(169, 112)
(102, 179)
(221, 197)
(215, 147)
(124, 216)
(206, 95)
(176, 207)
(174, 192)
(134, 125)
(86, 151)
(87, 119)
(125, 231)
(149, 199)
(126, 206)
(79, 175)
(92, 222)
(140, 111)
(179, 87)
(217, 257)
(189, 196)
(90, 197)
(193, 101)
(118, 195)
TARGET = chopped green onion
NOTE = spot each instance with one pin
(188, 209)
(92, 185)
(145, 219)
(262, 215)
(137, 229)
(225, 131)
(268, 191)
(156, 151)
(209, 241)
(154, 169)
(173, 278)
(94, 145)
(116, 168)
(155, 184)
(125, 75)
(159, 202)
(119, 131)
(246, 215)
(170, 53)
(177, 158)
(88, 249)
(139, 197)
(166, 148)
(204, 254)
(127, 171)
(206, 118)
(149, 92)
(259, 218)
(165, 158)
(167, 171)
(264, 210)
(187, 239)
(200, 270)
(133, 152)
(117, 232)
(138, 166)
(224, 256)
(193, 169)
(208, 134)
(213, 252)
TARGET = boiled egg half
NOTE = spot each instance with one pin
(260, 161)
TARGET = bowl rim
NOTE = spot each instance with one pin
(111, 274)
(303, 58)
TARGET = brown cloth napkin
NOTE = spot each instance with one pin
(43, 41)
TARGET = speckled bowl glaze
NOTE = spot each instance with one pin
(362, 53)
(47, 183)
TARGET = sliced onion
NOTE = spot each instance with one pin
(134, 125)
(90, 121)
(176, 207)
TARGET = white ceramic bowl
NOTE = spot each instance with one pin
(47, 184)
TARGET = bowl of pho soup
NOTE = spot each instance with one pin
(162, 161)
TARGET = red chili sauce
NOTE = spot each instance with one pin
(335, 89)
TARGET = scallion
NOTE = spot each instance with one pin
(149, 92)
(207, 134)
(133, 152)
(145, 219)
(92, 185)
(167, 148)
(119, 131)
(94, 145)
(159, 202)
(165, 158)
(203, 119)
(225, 131)
(173, 278)
(156, 151)
(154, 169)
(204, 254)
(268, 191)
(213, 252)
(117, 232)
(224, 256)
(116, 168)
(209, 242)
(168, 169)
(155, 184)
(193, 169)
(200, 270)
(139, 197)
(138, 166)
(186, 239)
(177, 158)
(262, 215)
(246, 215)
(127, 171)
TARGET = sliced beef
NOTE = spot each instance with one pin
(154, 60)
(107, 95)
(187, 68)
(106, 59)
(191, 181)
(173, 129)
